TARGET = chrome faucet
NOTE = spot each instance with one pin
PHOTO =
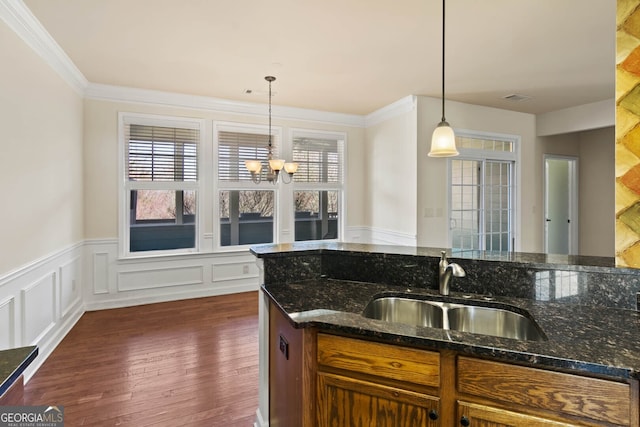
(445, 271)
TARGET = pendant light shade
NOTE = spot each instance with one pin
(443, 140)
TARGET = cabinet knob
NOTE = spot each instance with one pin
(464, 421)
(433, 414)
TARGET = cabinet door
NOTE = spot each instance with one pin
(344, 401)
(473, 415)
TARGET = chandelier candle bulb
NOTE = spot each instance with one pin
(291, 168)
(276, 164)
(253, 166)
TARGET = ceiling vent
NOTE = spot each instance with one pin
(514, 97)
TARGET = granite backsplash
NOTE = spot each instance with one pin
(570, 279)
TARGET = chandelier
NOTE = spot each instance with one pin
(274, 166)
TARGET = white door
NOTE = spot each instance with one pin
(561, 202)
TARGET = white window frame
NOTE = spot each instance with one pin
(304, 186)
(125, 186)
(218, 185)
(489, 155)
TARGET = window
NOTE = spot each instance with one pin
(318, 185)
(245, 209)
(161, 184)
(482, 194)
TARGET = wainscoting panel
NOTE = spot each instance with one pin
(38, 308)
(70, 274)
(239, 270)
(101, 273)
(7, 323)
(153, 277)
(121, 282)
(40, 302)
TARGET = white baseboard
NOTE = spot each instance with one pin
(151, 299)
(380, 236)
(260, 421)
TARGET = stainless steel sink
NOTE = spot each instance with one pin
(464, 317)
(405, 310)
(493, 321)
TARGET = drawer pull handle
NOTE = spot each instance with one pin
(464, 421)
(433, 414)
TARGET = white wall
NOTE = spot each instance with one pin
(41, 222)
(392, 177)
(41, 160)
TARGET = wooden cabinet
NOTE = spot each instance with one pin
(475, 415)
(508, 390)
(291, 373)
(369, 384)
(363, 383)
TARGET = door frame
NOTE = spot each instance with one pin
(573, 189)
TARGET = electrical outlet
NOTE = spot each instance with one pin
(284, 347)
(245, 269)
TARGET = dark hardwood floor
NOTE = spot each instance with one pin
(182, 363)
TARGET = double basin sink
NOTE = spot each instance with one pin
(464, 316)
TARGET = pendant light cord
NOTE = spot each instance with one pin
(270, 80)
(443, 119)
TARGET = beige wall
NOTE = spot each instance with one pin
(432, 172)
(101, 161)
(41, 160)
(392, 176)
(595, 150)
(597, 192)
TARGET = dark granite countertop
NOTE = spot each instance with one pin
(601, 341)
(13, 362)
(574, 262)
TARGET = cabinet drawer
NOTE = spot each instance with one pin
(592, 398)
(381, 360)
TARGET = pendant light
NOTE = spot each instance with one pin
(443, 140)
(275, 166)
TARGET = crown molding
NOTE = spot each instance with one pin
(20, 19)
(144, 96)
(401, 106)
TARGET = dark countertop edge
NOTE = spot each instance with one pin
(503, 355)
(31, 352)
(570, 262)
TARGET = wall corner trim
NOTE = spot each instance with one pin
(20, 19)
(401, 106)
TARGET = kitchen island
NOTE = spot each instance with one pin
(316, 293)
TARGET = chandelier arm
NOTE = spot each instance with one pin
(284, 176)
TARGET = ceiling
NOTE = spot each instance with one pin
(348, 56)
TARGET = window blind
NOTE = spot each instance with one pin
(319, 160)
(156, 153)
(236, 147)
